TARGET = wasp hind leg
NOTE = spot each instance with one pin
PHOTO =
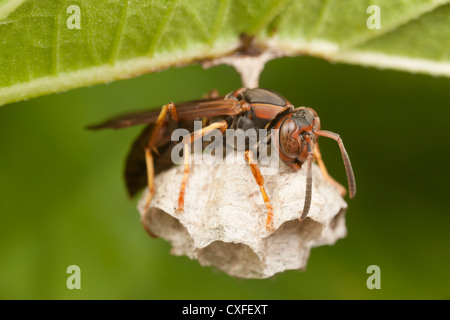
(151, 147)
(326, 175)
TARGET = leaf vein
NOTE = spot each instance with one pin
(119, 35)
(271, 14)
(222, 15)
(91, 44)
(162, 27)
(56, 44)
(320, 20)
(196, 19)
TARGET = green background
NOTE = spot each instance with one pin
(63, 200)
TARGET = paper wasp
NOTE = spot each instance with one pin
(295, 141)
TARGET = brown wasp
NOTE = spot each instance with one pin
(295, 139)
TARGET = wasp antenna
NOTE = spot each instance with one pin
(345, 158)
(308, 190)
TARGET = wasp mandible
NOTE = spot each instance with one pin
(257, 108)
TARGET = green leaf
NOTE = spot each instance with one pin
(414, 35)
(117, 39)
(8, 6)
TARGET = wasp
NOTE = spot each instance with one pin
(298, 130)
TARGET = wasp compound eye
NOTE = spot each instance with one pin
(288, 142)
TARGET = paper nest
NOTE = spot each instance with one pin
(224, 220)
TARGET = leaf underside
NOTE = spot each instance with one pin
(40, 54)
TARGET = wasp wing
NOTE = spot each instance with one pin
(186, 111)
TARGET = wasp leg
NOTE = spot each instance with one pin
(187, 140)
(325, 173)
(260, 181)
(150, 147)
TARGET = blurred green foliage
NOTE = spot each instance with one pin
(63, 201)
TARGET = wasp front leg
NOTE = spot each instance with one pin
(187, 140)
(260, 181)
(326, 175)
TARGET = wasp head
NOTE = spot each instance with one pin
(298, 134)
